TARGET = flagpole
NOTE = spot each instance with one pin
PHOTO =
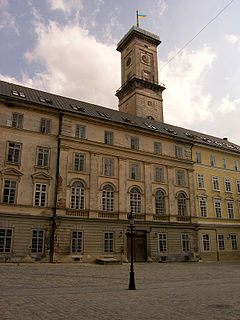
(137, 19)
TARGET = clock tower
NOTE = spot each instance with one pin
(140, 93)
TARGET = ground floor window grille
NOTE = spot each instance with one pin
(76, 242)
(206, 242)
(233, 238)
(108, 242)
(221, 244)
(162, 242)
(37, 241)
(185, 242)
(5, 240)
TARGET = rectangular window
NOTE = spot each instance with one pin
(178, 152)
(108, 167)
(159, 176)
(79, 162)
(108, 137)
(180, 178)
(45, 125)
(218, 209)
(230, 210)
(77, 242)
(9, 191)
(233, 238)
(135, 143)
(198, 157)
(215, 183)
(40, 196)
(203, 207)
(37, 241)
(221, 244)
(228, 187)
(5, 240)
(200, 180)
(108, 242)
(185, 242)
(80, 131)
(14, 152)
(238, 186)
(135, 171)
(157, 148)
(17, 120)
(206, 242)
(213, 161)
(162, 237)
(236, 165)
(43, 157)
(225, 163)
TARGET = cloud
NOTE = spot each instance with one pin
(228, 106)
(76, 64)
(6, 19)
(232, 38)
(66, 5)
(162, 7)
(184, 98)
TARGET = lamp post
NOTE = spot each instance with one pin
(131, 279)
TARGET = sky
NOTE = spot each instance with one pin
(68, 47)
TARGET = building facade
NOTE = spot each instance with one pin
(71, 172)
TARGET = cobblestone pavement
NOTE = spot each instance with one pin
(169, 291)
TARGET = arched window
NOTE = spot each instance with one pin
(182, 205)
(108, 198)
(135, 200)
(78, 195)
(160, 202)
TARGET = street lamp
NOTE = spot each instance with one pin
(131, 280)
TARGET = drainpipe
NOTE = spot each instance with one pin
(53, 218)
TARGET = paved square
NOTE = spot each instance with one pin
(170, 291)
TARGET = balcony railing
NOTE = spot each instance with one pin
(108, 215)
(183, 218)
(161, 217)
(77, 213)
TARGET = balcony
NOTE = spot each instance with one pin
(108, 215)
(77, 213)
(160, 217)
(183, 218)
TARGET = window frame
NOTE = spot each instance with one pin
(230, 209)
(182, 204)
(76, 242)
(80, 131)
(159, 174)
(18, 121)
(14, 152)
(233, 238)
(206, 242)
(79, 162)
(160, 202)
(221, 242)
(134, 143)
(162, 242)
(215, 183)
(45, 159)
(41, 195)
(39, 241)
(157, 147)
(213, 160)
(201, 180)
(218, 209)
(108, 167)
(108, 198)
(179, 152)
(135, 200)
(227, 184)
(185, 238)
(45, 125)
(180, 175)
(109, 242)
(203, 207)
(6, 240)
(108, 137)
(78, 197)
(12, 193)
(198, 157)
(135, 171)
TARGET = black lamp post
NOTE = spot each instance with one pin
(131, 280)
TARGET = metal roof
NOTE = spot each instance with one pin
(15, 92)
